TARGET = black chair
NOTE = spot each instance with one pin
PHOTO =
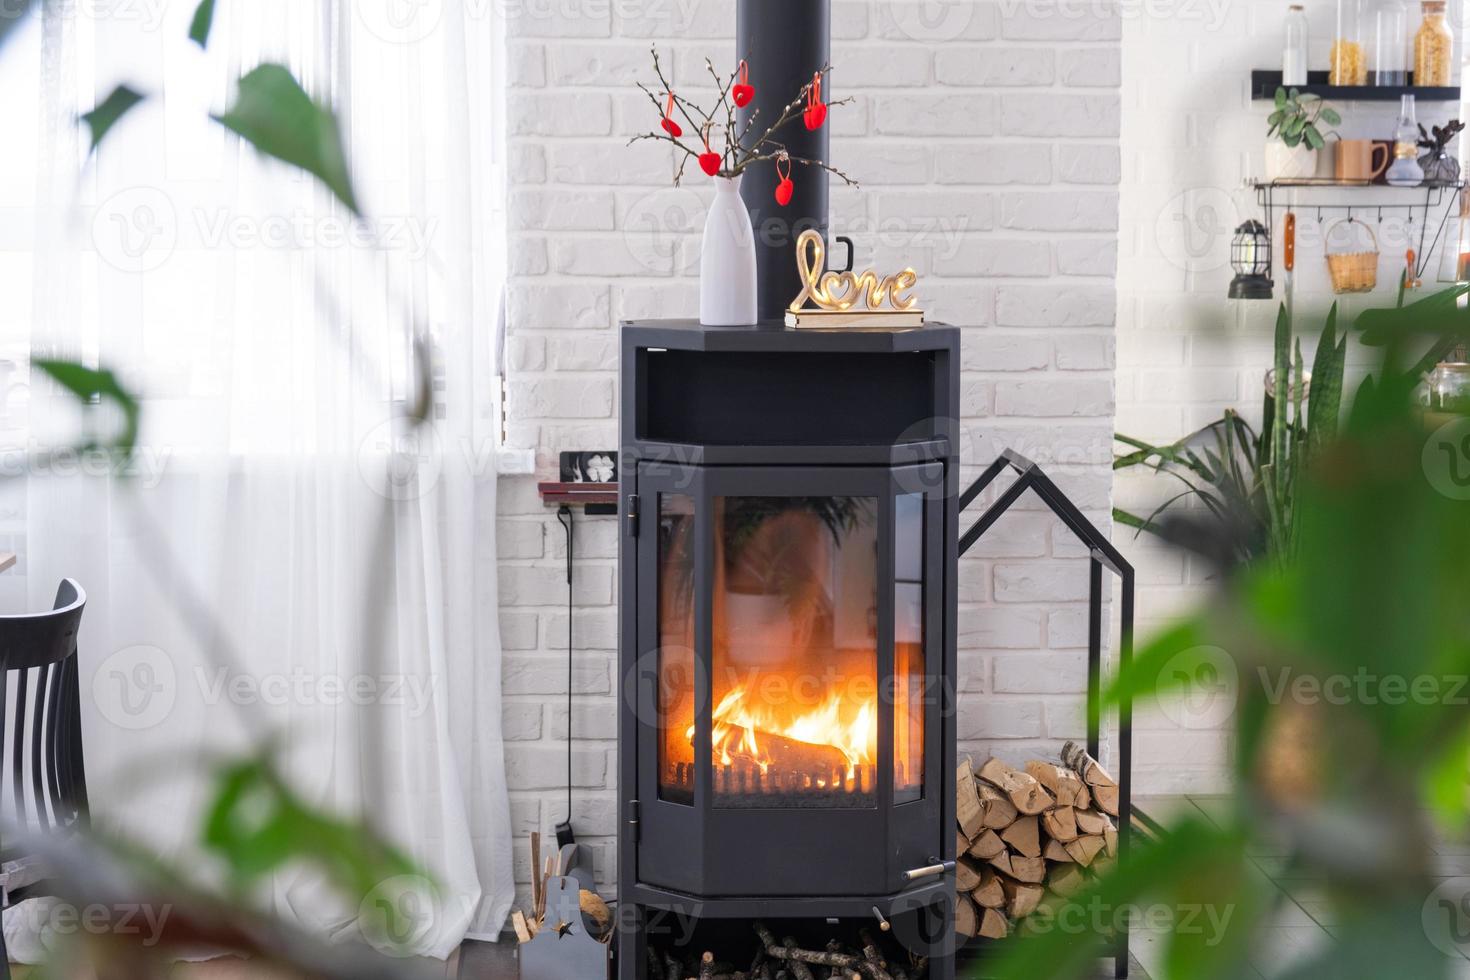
(38, 660)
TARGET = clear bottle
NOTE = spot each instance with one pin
(1294, 47)
(1405, 170)
(1391, 43)
(1433, 46)
(1346, 62)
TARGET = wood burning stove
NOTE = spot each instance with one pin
(787, 634)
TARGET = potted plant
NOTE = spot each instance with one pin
(1292, 137)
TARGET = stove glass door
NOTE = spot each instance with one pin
(794, 651)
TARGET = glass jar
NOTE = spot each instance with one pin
(1346, 62)
(1405, 170)
(1447, 389)
(1391, 43)
(1294, 47)
(1433, 46)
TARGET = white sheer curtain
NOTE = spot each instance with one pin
(290, 556)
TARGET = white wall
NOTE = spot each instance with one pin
(987, 143)
(1191, 135)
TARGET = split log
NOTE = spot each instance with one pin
(991, 893)
(967, 874)
(993, 925)
(707, 966)
(1055, 850)
(1110, 840)
(1084, 849)
(518, 921)
(1022, 898)
(961, 842)
(1003, 862)
(1025, 793)
(1000, 812)
(1062, 783)
(1067, 880)
(1060, 824)
(1028, 869)
(966, 917)
(1024, 837)
(969, 810)
(987, 846)
(1104, 789)
(1092, 823)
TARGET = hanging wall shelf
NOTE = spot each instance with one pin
(1264, 84)
(1309, 194)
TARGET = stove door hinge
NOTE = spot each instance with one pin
(632, 511)
(634, 824)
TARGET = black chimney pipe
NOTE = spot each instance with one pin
(785, 42)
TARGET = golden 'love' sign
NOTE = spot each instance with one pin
(848, 300)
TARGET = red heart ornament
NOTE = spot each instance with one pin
(815, 115)
(743, 92)
(710, 163)
(785, 188)
(671, 127)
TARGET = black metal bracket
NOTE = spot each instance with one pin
(1102, 555)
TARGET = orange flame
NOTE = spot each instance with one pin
(842, 723)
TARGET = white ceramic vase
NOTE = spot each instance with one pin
(727, 264)
(1289, 162)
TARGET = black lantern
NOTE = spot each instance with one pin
(1250, 257)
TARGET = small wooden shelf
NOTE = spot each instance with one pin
(578, 494)
(1264, 84)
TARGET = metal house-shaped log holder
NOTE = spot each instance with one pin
(1102, 556)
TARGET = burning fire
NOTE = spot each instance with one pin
(746, 730)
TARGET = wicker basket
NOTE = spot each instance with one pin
(1352, 272)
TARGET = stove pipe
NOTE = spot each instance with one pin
(785, 43)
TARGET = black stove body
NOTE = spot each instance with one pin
(787, 611)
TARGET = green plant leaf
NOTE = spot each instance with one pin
(1327, 374)
(1314, 138)
(113, 108)
(1280, 97)
(89, 384)
(257, 825)
(1330, 116)
(275, 115)
(202, 22)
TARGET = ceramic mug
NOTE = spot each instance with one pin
(1362, 159)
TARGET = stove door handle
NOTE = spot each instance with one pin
(929, 871)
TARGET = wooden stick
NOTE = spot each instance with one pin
(968, 811)
(535, 878)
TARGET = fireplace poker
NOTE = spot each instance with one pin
(564, 833)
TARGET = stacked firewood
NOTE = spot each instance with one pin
(786, 960)
(1026, 833)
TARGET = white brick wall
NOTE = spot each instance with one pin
(987, 142)
(1185, 354)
